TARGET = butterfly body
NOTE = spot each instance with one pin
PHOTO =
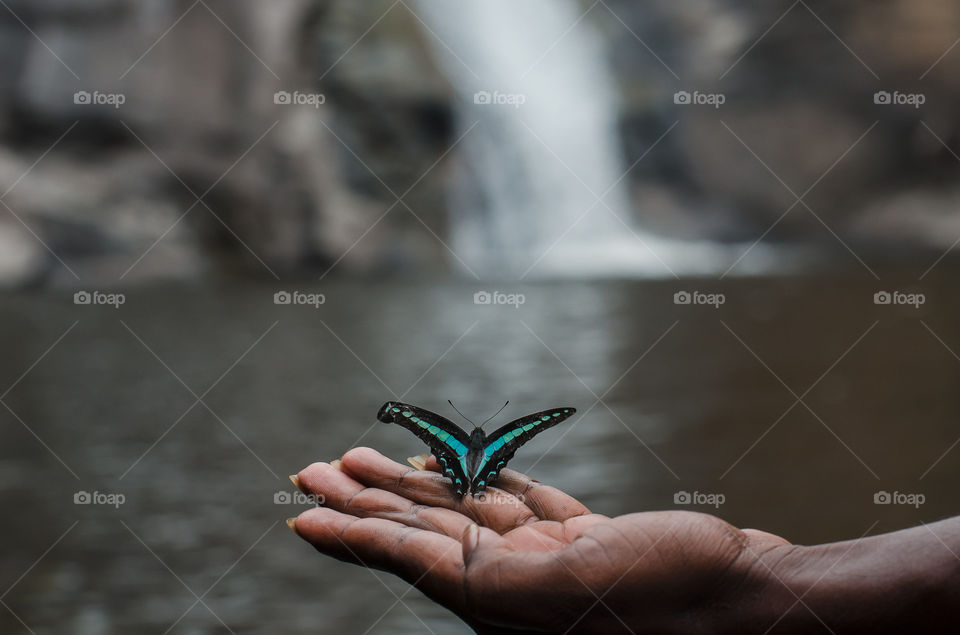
(471, 461)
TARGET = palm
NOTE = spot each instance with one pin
(525, 555)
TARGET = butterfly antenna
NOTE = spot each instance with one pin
(496, 413)
(461, 414)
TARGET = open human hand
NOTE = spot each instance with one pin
(527, 556)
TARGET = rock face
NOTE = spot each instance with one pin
(22, 259)
(177, 138)
(799, 91)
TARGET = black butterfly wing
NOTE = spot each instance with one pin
(503, 443)
(447, 441)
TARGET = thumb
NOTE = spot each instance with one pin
(481, 540)
(504, 586)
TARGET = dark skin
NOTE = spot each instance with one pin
(528, 557)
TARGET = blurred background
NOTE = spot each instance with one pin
(230, 230)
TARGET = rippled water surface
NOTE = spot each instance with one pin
(694, 398)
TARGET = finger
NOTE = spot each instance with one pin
(430, 561)
(551, 535)
(574, 527)
(764, 538)
(344, 494)
(492, 544)
(498, 510)
(546, 535)
(508, 584)
(546, 502)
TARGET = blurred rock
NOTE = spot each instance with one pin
(927, 217)
(799, 91)
(22, 257)
(188, 108)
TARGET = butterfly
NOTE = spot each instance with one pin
(471, 461)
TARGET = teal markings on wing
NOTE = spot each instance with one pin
(507, 439)
(471, 461)
(447, 441)
(519, 428)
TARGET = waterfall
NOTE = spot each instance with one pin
(535, 92)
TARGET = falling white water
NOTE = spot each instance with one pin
(539, 156)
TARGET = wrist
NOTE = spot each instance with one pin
(906, 581)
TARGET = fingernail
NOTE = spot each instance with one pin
(471, 538)
(292, 524)
(336, 464)
(419, 461)
(295, 481)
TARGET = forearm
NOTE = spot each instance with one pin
(902, 582)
